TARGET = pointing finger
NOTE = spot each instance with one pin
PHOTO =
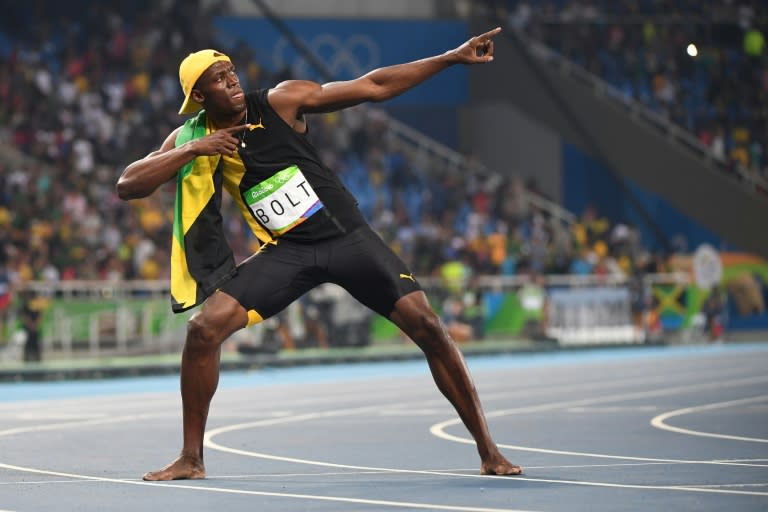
(488, 35)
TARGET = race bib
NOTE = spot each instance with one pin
(283, 201)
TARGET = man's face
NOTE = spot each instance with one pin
(219, 89)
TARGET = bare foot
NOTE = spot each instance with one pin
(498, 465)
(183, 468)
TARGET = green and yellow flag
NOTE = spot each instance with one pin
(201, 259)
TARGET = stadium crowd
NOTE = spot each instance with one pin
(81, 96)
(80, 102)
(699, 63)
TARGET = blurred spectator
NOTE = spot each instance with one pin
(464, 316)
(754, 43)
(452, 316)
(533, 300)
(5, 298)
(31, 312)
(714, 312)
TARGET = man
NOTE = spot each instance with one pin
(255, 146)
(31, 319)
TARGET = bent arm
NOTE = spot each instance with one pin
(143, 177)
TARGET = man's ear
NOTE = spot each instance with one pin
(196, 95)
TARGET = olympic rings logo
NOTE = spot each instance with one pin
(345, 59)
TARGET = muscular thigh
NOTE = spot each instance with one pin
(267, 282)
(366, 267)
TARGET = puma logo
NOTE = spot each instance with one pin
(255, 126)
(407, 276)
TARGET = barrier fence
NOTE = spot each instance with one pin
(97, 318)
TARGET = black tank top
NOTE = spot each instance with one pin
(287, 188)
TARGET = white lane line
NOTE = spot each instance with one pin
(629, 408)
(744, 460)
(378, 408)
(269, 421)
(44, 482)
(50, 416)
(349, 411)
(733, 485)
(312, 497)
(209, 443)
(438, 429)
(600, 384)
(685, 488)
(659, 421)
(251, 476)
(409, 413)
(159, 399)
(135, 417)
(152, 400)
(537, 390)
(624, 464)
(448, 472)
(271, 476)
(74, 424)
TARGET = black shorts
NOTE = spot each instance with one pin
(359, 261)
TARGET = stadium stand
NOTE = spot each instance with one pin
(698, 64)
(77, 105)
(109, 91)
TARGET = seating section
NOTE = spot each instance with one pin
(699, 63)
(87, 91)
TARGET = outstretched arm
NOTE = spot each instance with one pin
(293, 98)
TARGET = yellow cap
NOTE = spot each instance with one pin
(190, 70)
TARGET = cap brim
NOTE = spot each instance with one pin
(189, 106)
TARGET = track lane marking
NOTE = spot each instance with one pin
(312, 497)
(144, 398)
(438, 429)
(134, 417)
(660, 420)
(209, 443)
(236, 451)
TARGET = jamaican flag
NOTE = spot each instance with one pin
(201, 259)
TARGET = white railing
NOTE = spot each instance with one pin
(505, 283)
(101, 289)
(134, 317)
(160, 289)
(104, 318)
